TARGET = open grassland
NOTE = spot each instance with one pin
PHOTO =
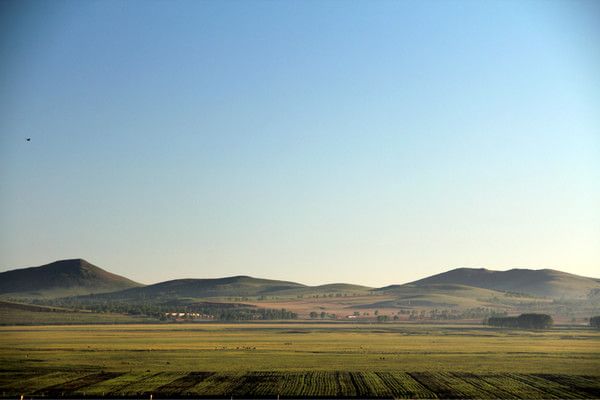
(27, 314)
(69, 318)
(299, 360)
(301, 347)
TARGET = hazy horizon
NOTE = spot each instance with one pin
(317, 142)
(312, 283)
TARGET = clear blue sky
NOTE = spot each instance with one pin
(369, 142)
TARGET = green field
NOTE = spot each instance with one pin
(22, 314)
(299, 360)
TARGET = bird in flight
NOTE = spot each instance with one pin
(28, 139)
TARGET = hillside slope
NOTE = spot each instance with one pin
(235, 286)
(447, 295)
(543, 282)
(61, 278)
(12, 313)
(324, 290)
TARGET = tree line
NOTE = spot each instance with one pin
(218, 311)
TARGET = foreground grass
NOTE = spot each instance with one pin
(299, 360)
(299, 347)
(18, 314)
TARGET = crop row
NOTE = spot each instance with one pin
(314, 384)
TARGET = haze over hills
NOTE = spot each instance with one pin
(234, 286)
(461, 286)
(447, 295)
(60, 279)
(218, 287)
(542, 283)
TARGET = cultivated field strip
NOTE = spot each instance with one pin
(314, 384)
(38, 382)
(485, 386)
(449, 386)
(402, 385)
(8, 377)
(74, 385)
(589, 386)
(183, 384)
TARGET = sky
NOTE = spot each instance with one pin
(368, 142)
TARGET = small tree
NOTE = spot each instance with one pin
(595, 322)
(313, 314)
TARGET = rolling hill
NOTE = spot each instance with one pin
(327, 289)
(60, 279)
(447, 295)
(234, 286)
(542, 283)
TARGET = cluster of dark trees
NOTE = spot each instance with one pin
(595, 322)
(148, 309)
(245, 314)
(524, 321)
(322, 315)
(452, 314)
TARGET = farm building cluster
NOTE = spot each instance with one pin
(187, 315)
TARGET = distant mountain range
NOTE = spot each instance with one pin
(78, 277)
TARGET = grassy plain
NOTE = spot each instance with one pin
(218, 359)
(10, 316)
